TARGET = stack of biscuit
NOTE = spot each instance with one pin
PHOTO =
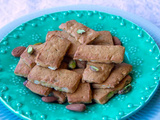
(97, 71)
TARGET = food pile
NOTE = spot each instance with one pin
(78, 65)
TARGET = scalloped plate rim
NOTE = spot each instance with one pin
(124, 117)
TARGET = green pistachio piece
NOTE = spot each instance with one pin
(93, 68)
(80, 31)
(72, 64)
(60, 89)
(126, 89)
(38, 43)
(30, 50)
(110, 94)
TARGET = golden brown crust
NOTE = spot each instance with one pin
(22, 69)
(97, 76)
(119, 72)
(61, 79)
(29, 59)
(104, 38)
(101, 95)
(100, 53)
(60, 95)
(82, 95)
(53, 52)
(38, 89)
(73, 26)
(74, 44)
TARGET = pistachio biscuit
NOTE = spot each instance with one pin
(100, 53)
(22, 69)
(61, 79)
(29, 59)
(101, 95)
(118, 73)
(104, 38)
(74, 44)
(82, 95)
(38, 89)
(82, 33)
(99, 75)
(53, 52)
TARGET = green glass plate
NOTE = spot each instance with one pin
(141, 51)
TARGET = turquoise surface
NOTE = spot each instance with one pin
(141, 51)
